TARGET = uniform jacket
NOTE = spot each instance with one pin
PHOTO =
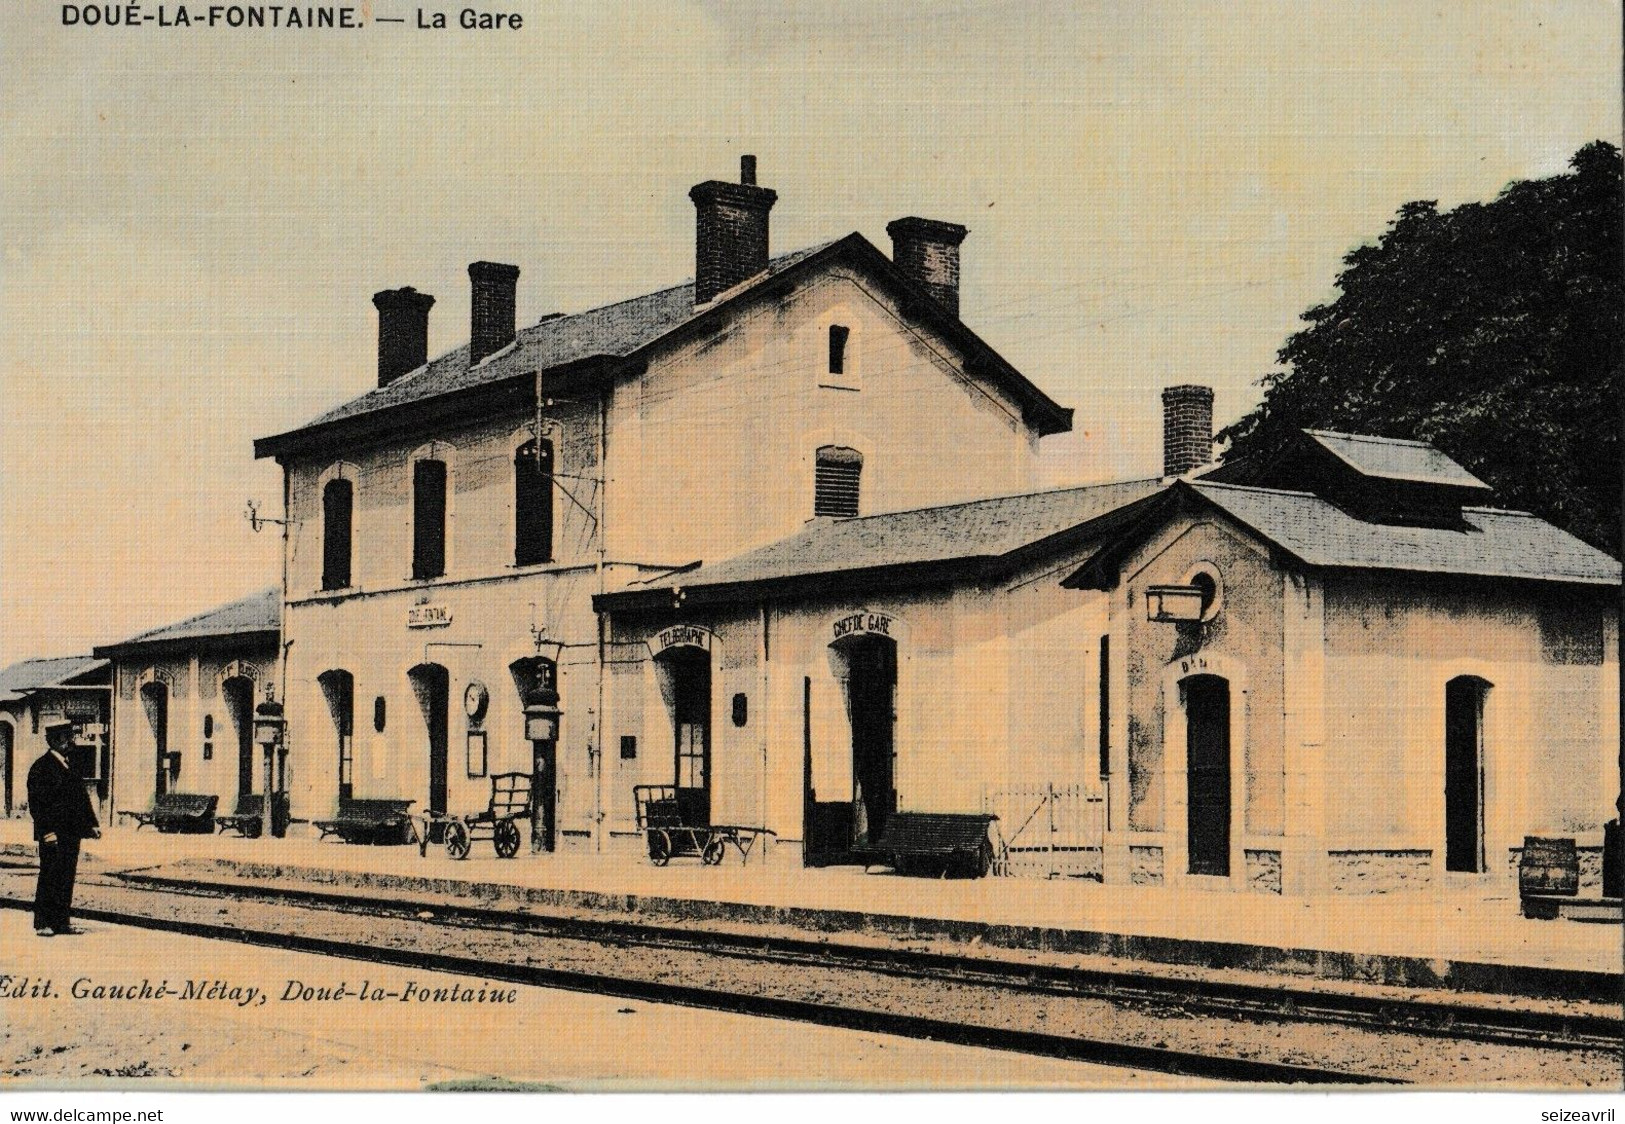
(58, 801)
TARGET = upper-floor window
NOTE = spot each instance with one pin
(838, 335)
(428, 518)
(835, 482)
(533, 503)
(338, 507)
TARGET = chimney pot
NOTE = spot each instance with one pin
(927, 253)
(403, 331)
(730, 231)
(491, 314)
(1187, 428)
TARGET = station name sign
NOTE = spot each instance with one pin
(428, 616)
(863, 624)
(682, 636)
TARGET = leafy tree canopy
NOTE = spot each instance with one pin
(1492, 331)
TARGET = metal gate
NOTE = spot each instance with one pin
(1048, 831)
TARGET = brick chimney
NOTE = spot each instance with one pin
(730, 231)
(491, 315)
(403, 332)
(1187, 428)
(927, 252)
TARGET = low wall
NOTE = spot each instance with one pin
(1379, 871)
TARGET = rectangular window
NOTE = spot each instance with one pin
(838, 336)
(428, 519)
(338, 500)
(533, 503)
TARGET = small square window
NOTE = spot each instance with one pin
(629, 747)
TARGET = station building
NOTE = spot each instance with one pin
(449, 528)
(38, 693)
(183, 703)
(771, 536)
(1337, 671)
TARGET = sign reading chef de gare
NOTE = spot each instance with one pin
(859, 624)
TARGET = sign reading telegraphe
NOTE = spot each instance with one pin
(861, 624)
(682, 636)
(428, 616)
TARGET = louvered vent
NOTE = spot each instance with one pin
(835, 485)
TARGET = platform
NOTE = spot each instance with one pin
(1463, 936)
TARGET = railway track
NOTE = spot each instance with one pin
(397, 932)
(1500, 1025)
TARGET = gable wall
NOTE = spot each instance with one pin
(712, 451)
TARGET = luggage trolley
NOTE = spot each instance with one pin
(660, 819)
(510, 801)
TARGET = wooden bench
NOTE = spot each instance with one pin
(938, 843)
(247, 818)
(187, 813)
(368, 820)
(1549, 884)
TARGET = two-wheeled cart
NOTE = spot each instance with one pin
(669, 837)
(510, 801)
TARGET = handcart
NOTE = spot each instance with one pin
(510, 801)
(660, 819)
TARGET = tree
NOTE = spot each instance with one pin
(1492, 331)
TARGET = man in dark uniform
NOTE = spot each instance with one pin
(63, 815)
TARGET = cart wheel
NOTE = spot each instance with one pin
(252, 829)
(715, 849)
(659, 848)
(505, 838)
(457, 839)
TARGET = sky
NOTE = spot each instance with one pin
(193, 221)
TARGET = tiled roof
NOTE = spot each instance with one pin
(261, 612)
(980, 529)
(1499, 544)
(1393, 459)
(31, 675)
(623, 329)
(614, 329)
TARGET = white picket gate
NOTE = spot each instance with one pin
(1047, 830)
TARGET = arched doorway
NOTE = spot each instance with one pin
(1464, 699)
(155, 701)
(238, 693)
(871, 707)
(1207, 773)
(8, 763)
(686, 684)
(432, 685)
(338, 688)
